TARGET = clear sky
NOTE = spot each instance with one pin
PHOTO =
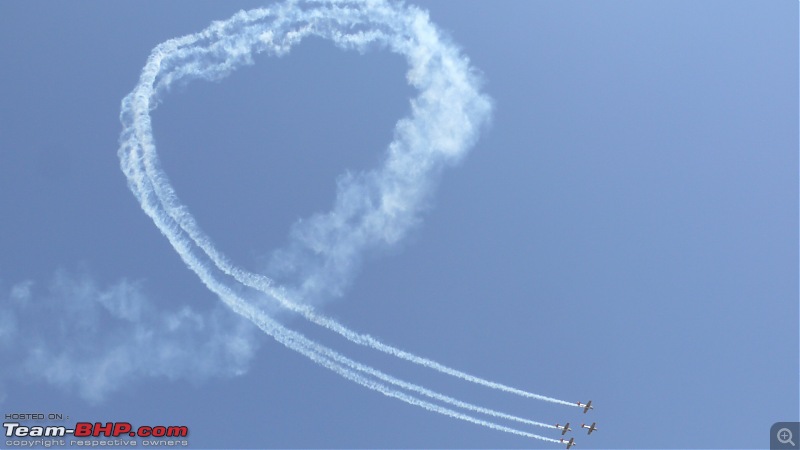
(625, 230)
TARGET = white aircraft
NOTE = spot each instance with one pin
(590, 428)
(569, 443)
(564, 428)
(586, 407)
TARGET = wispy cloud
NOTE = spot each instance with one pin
(78, 335)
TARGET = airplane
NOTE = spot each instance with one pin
(590, 428)
(569, 443)
(564, 428)
(586, 407)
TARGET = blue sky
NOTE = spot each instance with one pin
(625, 230)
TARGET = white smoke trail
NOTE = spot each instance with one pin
(182, 60)
(437, 133)
(320, 354)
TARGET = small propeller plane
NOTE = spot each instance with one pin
(586, 407)
(564, 428)
(591, 428)
(569, 443)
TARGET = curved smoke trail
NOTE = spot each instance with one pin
(399, 204)
(320, 354)
(374, 209)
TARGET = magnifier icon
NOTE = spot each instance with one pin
(785, 436)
